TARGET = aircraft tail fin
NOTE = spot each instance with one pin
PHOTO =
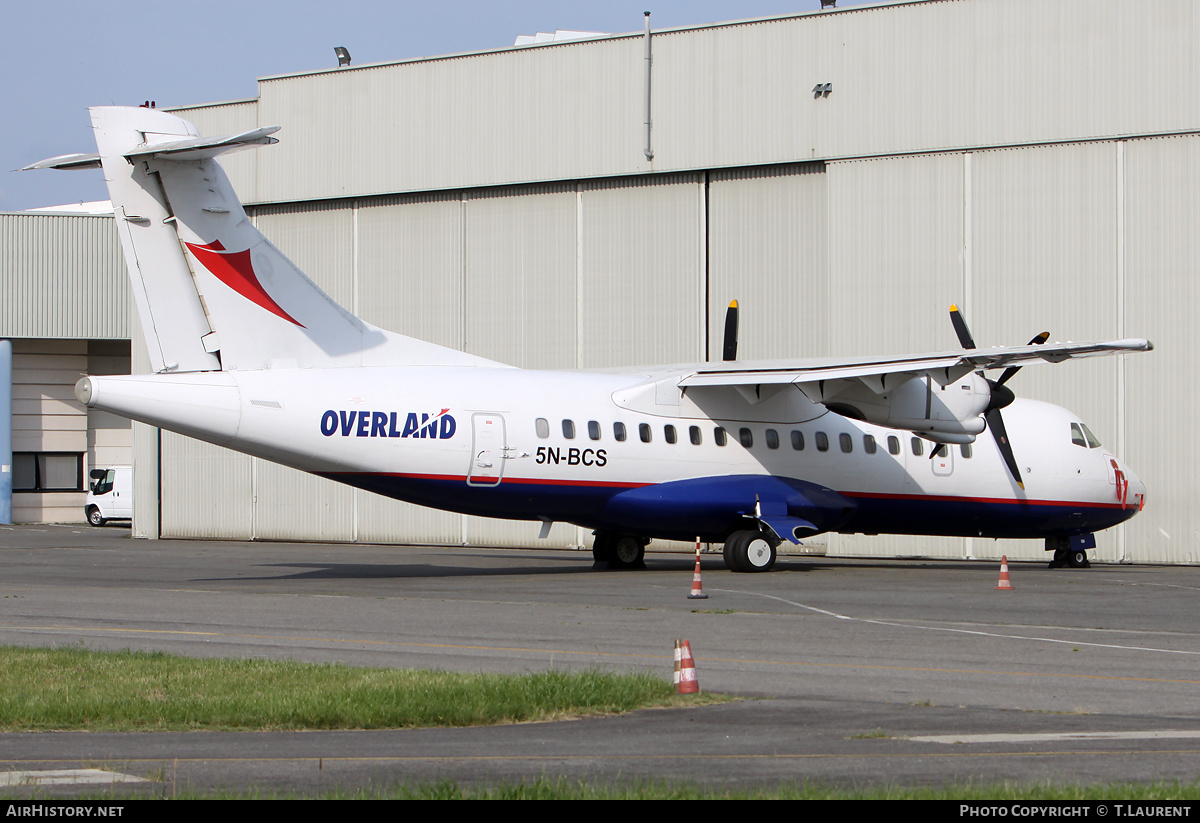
(211, 291)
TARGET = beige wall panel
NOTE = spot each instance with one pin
(207, 491)
(522, 534)
(508, 116)
(522, 276)
(1045, 259)
(642, 252)
(896, 242)
(767, 248)
(293, 505)
(383, 520)
(1162, 301)
(54, 507)
(146, 489)
(410, 267)
(319, 239)
(46, 415)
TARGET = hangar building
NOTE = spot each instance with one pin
(845, 174)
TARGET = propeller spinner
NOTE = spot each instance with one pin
(1001, 395)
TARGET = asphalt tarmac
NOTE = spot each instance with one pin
(853, 672)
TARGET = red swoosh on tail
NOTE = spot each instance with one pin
(235, 270)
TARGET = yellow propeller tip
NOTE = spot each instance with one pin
(733, 304)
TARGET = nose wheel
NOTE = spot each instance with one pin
(1066, 557)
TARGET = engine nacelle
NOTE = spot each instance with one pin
(920, 404)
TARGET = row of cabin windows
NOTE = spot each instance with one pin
(745, 437)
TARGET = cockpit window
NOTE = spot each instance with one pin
(1077, 436)
(1082, 436)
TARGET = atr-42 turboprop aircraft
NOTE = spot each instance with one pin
(248, 353)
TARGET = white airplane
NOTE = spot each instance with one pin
(248, 353)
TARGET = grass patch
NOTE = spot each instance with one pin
(564, 789)
(59, 689)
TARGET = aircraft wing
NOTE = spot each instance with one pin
(882, 373)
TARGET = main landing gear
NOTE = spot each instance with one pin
(1066, 556)
(619, 551)
(749, 551)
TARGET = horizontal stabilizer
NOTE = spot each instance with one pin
(66, 161)
(196, 148)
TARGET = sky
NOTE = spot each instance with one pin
(62, 56)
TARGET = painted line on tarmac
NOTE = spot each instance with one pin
(1161, 734)
(975, 632)
(66, 777)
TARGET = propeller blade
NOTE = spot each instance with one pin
(1011, 370)
(996, 424)
(960, 328)
(729, 350)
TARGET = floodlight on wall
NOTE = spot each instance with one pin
(343, 55)
(829, 4)
(822, 90)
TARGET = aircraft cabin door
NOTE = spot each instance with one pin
(488, 445)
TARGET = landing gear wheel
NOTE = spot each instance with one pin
(619, 551)
(95, 518)
(1078, 560)
(629, 552)
(1059, 560)
(749, 551)
(602, 547)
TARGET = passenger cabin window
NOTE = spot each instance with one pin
(694, 434)
(644, 432)
(772, 439)
(593, 429)
(569, 429)
(669, 433)
(619, 432)
(822, 442)
(746, 437)
(543, 427)
(893, 444)
(918, 447)
(719, 436)
(797, 440)
(965, 448)
(846, 442)
(868, 444)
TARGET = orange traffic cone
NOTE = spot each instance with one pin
(697, 592)
(1005, 584)
(685, 669)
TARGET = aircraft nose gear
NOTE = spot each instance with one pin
(1070, 552)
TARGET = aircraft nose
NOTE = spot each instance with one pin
(1135, 489)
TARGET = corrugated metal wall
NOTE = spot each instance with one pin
(908, 77)
(63, 276)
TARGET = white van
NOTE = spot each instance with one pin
(110, 496)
